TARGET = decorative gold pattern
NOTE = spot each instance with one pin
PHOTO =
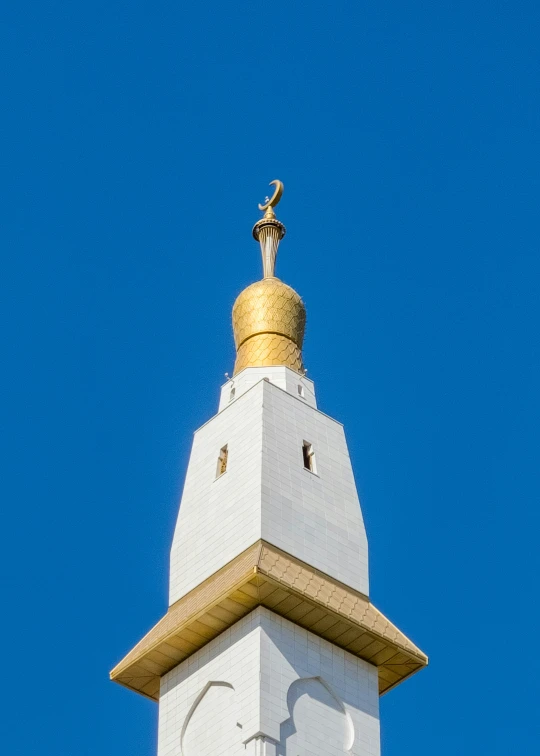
(268, 321)
(269, 306)
(263, 575)
(266, 349)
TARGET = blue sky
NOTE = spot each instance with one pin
(137, 140)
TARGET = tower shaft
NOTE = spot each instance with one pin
(270, 645)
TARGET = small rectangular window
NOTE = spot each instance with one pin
(231, 395)
(222, 461)
(300, 390)
(309, 457)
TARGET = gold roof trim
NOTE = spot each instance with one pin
(263, 575)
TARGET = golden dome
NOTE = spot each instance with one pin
(269, 317)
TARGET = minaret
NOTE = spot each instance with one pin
(271, 645)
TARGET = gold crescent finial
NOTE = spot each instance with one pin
(268, 231)
(275, 197)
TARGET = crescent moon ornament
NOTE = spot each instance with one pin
(275, 197)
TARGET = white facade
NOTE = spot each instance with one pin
(297, 385)
(266, 492)
(266, 687)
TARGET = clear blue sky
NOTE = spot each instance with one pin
(137, 139)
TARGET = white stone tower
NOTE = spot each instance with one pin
(270, 646)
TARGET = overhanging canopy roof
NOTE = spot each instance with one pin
(263, 575)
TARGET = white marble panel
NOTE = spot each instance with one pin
(267, 493)
(266, 687)
(299, 386)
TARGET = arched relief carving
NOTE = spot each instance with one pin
(211, 727)
(319, 723)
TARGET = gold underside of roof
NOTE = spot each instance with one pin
(263, 575)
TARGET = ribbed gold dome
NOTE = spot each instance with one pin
(269, 319)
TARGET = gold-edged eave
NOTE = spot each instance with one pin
(263, 575)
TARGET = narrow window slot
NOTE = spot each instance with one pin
(309, 457)
(222, 461)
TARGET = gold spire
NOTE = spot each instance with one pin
(269, 317)
(268, 231)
